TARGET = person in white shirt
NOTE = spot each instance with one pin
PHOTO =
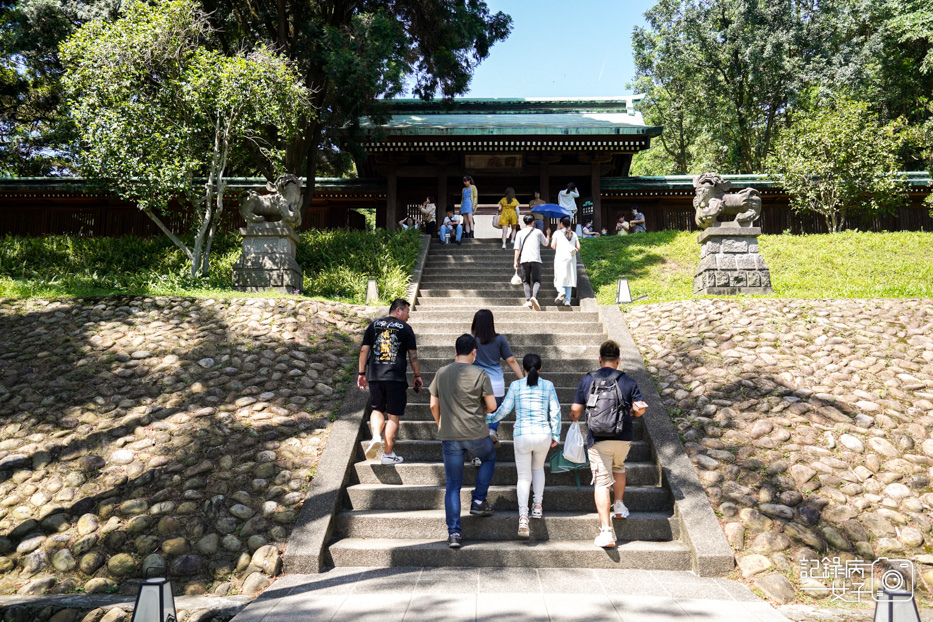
(528, 245)
(407, 223)
(452, 223)
(428, 211)
(567, 245)
(567, 198)
(588, 229)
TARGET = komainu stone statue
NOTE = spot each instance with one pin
(729, 259)
(283, 203)
(268, 258)
(711, 201)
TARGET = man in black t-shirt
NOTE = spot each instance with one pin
(607, 453)
(385, 344)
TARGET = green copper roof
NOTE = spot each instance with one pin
(80, 184)
(609, 116)
(914, 179)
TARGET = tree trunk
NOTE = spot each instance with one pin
(174, 238)
(315, 130)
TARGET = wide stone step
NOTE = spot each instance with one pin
(508, 315)
(431, 450)
(496, 304)
(363, 552)
(504, 271)
(420, 410)
(565, 397)
(550, 365)
(548, 353)
(432, 474)
(527, 342)
(503, 526)
(505, 498)
(561, 379)
(426, 430)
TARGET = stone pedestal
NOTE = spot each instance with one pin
(268, 259)
(730, 263)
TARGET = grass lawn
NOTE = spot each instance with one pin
(336, 264)
(660, 265)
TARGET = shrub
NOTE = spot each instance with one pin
(336, 265)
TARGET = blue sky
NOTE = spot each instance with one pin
(562, 49)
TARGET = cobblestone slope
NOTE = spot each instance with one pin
(810, 423)
(144, 431)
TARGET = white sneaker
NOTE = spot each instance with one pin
(534, 304)
(392, 459)
(494, 438)
(523, 530)
(537, 511)
(566, 303)
(560, 297)
(476, 462)
(606, 539)
(619, 510)
(527, 304)
(503, 245)
(373, 448)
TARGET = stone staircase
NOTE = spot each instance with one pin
(394, 515)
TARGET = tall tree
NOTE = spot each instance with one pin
(352, 52)
(840, 159)
(730, 67)
(156, 109)
(34, 129)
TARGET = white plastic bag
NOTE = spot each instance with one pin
(575, 444)
(516, 280)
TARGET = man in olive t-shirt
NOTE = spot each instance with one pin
(461, 395)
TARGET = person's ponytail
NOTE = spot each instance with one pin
(568, 232)
(532, 365)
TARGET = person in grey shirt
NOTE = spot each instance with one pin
(461, 395)
(528, 243)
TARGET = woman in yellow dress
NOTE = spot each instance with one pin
(508, 214)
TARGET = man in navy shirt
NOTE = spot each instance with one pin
(607, 453)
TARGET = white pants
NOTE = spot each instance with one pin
(530, 454)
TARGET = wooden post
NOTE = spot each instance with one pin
(544, 182)
(392, 198)
(595, 191)
(441, 198)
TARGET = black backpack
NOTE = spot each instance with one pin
(606, 409)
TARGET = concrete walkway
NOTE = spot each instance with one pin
(513, 594)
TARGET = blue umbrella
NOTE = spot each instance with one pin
(551, 210)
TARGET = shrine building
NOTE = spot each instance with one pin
(425, 149)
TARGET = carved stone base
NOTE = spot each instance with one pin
(730, 263)
(268, 259)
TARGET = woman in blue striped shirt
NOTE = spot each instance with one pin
(537, 429)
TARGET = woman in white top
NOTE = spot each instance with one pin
(566, 244)
(567, 198)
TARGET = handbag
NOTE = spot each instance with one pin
(575, 444)
(560, 464)
(495, 222)
(516, 280)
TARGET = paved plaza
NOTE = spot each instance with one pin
(514, 594)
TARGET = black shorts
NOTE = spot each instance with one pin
(389, 398)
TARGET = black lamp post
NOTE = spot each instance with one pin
(154, 602)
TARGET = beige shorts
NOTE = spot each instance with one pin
(606, 458)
